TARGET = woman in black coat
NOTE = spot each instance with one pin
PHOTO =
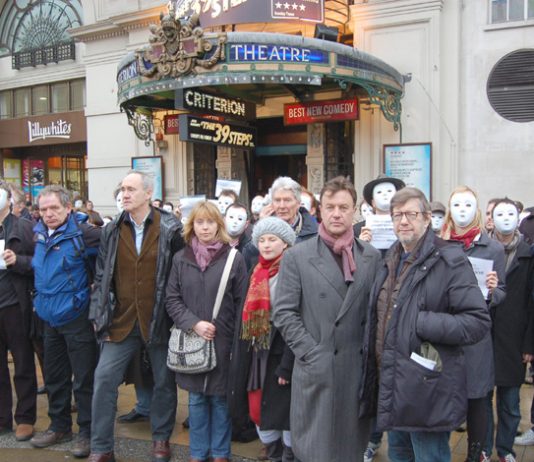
(513, 329)
(193, 284)
(262, 363)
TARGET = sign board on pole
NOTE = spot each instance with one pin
(204, 130)
(152, 166)
(320, 111)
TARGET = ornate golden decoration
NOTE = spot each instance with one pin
(178, 46)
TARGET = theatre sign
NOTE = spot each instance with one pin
(220, 12)
(320, 111)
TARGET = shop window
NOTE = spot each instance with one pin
(6, 104)
(60, 97)
(40, 100)
(77, 95)
(22, 102)
(511, 10)
(510, 86)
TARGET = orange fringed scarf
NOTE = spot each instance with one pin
(257, 309)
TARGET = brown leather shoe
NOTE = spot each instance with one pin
(49, 437)
(161, 451)
(103, 457)
(82, 446)
(24, 432)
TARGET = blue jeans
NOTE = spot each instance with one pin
(144, 398)
(418, 446)
(508, 418)
(70, 351)
(210, 426)
(109, 374)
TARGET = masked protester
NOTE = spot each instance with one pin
(237, 225)
(463, 223)
(513, 332)
(438, 216)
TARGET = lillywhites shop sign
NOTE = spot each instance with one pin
(213, 132)
(200, 101)
(220, 12)
(320, 111)
(58, 129)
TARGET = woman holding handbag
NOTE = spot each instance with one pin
(262, 363)
(195, 280)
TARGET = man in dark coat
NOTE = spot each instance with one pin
(513, 329)
(128, 311)
(320, 310)
(425, 304)
(285, 196)
(16, 280)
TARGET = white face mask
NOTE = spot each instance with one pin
(463, 209)
(437, 221)
(3, 199)
(382, 194)
(167, 208)
(257, 205)
(118, 202)
(236, 221)
(505, 218)
(78, 204)
(223, 203)
(306, 202)
(366, 210)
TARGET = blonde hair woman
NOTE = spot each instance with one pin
(193, 284)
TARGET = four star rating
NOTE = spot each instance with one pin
(290, 6)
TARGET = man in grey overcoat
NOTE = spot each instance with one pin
(320, 309)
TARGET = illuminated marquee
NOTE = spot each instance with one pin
(213, 132)
(240, 52)
(201, 101)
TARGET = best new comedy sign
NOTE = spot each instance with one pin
(220, 12)
(320, 111)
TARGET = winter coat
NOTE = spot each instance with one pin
(103, 299)
(62, 264)
(19, 239)
(439, 302)
(191, 295)
(276, 399)
(513, 320)
(307, 231)
(322, 319)
(479, 357)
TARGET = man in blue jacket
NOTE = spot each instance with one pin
(65, 251)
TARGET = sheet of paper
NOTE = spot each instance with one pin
(481, 267)
(425, 362)
(188, 202)
(233, 185)
(2, 248)
(382, 229)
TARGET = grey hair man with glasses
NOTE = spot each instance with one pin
(425, 305)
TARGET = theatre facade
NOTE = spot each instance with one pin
(216, 100)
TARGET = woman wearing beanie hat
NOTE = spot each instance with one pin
(263, 363)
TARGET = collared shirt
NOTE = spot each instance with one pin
(139, 231)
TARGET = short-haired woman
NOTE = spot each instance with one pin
(193, 284)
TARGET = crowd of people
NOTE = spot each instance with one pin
(332, 322)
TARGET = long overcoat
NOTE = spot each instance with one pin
(322, 319)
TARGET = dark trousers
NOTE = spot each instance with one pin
(70, 350)
(14, 338)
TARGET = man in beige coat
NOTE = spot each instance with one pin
(320, 309)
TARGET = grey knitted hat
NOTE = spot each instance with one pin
(276, 226)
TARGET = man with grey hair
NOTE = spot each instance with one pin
(64, 255)
(18, 199)
(285, 204)
(128, 312)
(426, 305)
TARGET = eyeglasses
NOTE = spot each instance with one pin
(410, 216)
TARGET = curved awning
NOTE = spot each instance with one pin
(249, 65)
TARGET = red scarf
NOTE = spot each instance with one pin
(466, 238)
(257, 309)
(341, 246)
